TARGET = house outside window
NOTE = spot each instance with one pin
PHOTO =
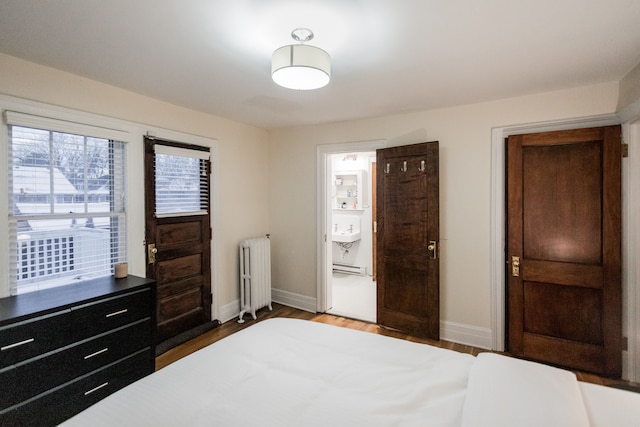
(67, 216)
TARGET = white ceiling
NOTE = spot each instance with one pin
(388, 56)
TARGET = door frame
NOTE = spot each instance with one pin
(323, 250)
(214, 213)
(630, 240)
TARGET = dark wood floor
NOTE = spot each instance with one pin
(279, 310)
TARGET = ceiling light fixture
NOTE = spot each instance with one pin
(300, 66)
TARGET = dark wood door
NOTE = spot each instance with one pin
(564, 231)
(178, 258)
(408, 238)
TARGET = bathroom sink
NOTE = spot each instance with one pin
(346, 236)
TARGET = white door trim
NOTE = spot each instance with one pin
(322, 249)
(631, 237)
(630, 250)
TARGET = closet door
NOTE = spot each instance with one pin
(564, 248)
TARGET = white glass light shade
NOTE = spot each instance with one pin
(301, 67)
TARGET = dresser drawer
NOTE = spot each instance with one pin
(62, 366)
(29, 338)
(59, 404)
(104, 349)
(102, 383)
(106, 314)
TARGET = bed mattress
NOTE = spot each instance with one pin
(288, 372)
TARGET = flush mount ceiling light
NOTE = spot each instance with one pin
(300, 66)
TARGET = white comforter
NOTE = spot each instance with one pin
(286, 372)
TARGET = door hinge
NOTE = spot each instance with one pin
(625, 343)
(625, 150)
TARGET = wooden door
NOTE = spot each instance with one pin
(564, 230)
(178, 257)
(407, 239)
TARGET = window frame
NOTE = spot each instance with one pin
(117, 211)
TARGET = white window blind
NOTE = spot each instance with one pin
(181, 181)
(67, 213)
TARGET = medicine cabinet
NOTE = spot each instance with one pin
(349, 191)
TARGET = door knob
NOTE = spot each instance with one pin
(432, 248)
(515, 266)
(151, 253)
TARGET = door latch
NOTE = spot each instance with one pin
(151, 253)
(515, 266)
(432, 248)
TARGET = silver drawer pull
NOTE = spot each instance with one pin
(115, 313)
(96, 353)
(7, 347)
(86, 393)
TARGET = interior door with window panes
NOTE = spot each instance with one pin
(178, 234)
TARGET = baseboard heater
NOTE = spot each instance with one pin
(349, 269)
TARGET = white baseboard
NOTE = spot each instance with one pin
(449, 331)
(294, 300)
(232, 310)
(466, 334)
(229, 311)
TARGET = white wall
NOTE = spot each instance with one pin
(279, 195)
(465, 168)
(630, 88)
(243, 172)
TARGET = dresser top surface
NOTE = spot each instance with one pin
(48, 300)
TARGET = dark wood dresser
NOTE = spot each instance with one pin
(63, 349)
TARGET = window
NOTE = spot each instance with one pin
(67, 218)
(181, 180)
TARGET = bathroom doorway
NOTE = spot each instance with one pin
(347, 286)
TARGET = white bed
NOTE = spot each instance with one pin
(287, 372)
